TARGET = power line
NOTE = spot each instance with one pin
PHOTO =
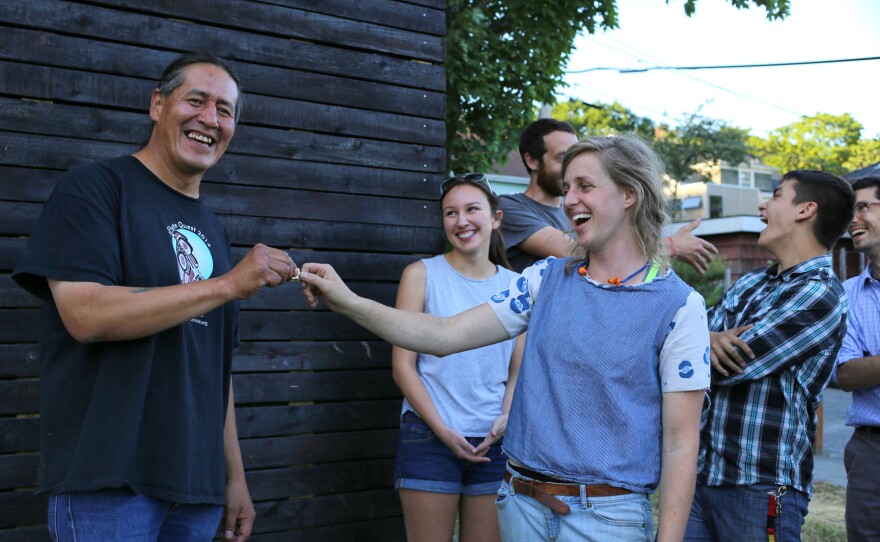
(639, 54)
(727, 66)
(629, 104)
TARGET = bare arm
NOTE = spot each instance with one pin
(548, 241)
(420, 332)
(678, 474)
(239, 514)
(94, 312)
(859, 373)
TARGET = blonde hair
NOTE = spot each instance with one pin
(630, 163)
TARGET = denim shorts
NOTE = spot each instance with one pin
(424, 463)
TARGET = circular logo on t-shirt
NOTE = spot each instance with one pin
(685, 369)
(194, 261)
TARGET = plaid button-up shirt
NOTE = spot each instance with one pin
(760, 425)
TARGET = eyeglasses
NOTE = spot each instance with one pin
(472, 178)
(862, 207)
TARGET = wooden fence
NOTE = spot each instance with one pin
(338, 159)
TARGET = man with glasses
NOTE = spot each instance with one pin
(535, 225)
(138, 438)
(774, 338)
(858, 369)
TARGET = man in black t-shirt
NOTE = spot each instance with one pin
(140, 318)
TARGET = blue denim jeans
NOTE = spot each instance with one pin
(122, 515)
(592, 519)
(739, 513)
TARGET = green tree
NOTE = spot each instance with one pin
(863, 154)
(710, 284)
(697, 140)
(505, 56)
(823, 141)
(603, 119)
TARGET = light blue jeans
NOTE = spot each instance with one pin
(122, 515)
(597, 519)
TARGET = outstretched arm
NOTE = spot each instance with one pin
(419, 332)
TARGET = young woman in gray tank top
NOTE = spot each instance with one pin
(449, 459)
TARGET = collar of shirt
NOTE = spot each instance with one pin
(804, 267)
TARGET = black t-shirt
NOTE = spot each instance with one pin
(148, 413)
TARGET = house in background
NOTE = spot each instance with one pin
(864, 172)
(728, 205)
(512, 178)
(720, 189)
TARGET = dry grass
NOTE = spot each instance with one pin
(825, 520)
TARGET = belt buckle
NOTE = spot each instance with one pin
(532, 489)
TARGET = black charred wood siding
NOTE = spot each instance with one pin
(338, 159)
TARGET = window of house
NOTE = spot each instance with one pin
(729, 176)
(691, 202)
(716, 206)
(764, 182)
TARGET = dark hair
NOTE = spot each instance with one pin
(173, 76)
(871, 181)
(497, 250)
(531, 140)
(833, 196)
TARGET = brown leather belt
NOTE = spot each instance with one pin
(546, 492)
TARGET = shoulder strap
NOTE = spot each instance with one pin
(652, 272)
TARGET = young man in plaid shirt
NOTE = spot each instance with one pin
(774, 340)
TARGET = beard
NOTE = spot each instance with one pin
(551, 183)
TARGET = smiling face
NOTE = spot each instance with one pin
(195, 123)
(780, 214)
(468, 219)
(594, 203)
(865, 226)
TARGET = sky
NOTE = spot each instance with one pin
(654, 33)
